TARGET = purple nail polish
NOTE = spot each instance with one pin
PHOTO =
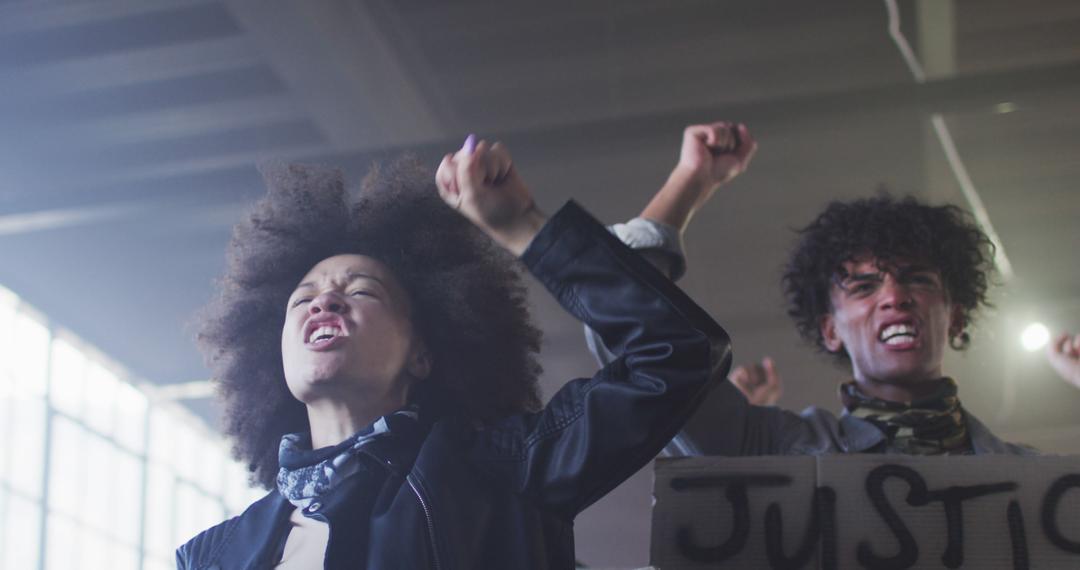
(470, 143)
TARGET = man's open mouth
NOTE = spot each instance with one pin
(897, 334)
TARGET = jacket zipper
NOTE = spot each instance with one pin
(427, 514)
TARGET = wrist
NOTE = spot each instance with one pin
(693, 179)
(685, 191)
(516, 235)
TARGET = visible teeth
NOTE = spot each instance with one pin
(899, 339)
(323, 331)
(892, 331)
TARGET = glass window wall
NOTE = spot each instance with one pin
(94, 472)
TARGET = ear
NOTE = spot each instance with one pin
(957, 323)
(419, 365)
(829, 339)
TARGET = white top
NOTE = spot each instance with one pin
(305, 546)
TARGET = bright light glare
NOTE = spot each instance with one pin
(1034, 337)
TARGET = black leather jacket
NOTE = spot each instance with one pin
(505, 496)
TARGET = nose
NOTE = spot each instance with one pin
(329, 301)
(895, 295)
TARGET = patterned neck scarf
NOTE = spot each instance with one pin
(306, 474)
(933, 425)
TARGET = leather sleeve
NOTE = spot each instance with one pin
(725, 424)
(200, 551)
(596, 432)
(182, 559)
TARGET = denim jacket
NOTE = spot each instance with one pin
(726, 424)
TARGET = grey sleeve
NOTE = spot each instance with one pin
(659, 243)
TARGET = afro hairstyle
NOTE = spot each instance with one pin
(468, 299)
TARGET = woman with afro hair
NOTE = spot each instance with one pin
(378, 369)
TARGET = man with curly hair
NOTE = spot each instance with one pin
(377, 366)
(883, 285)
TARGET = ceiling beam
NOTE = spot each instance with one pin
(126, 68)
(966, 93)
(338, 60)
(22, 17)
(154, 126)
(971, 93)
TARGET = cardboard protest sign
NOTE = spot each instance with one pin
(867, 511)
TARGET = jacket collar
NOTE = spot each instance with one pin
(259, 529)
(256, 534)
(858, 435)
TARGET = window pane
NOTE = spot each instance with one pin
(126, 495)
(238, 494)
(68, 373)
(30, 356)
(21, 531)
(96, 551)
(27, 450)
(8, 302)
(159, 563)
(96, 503)
(195, 512)
(159, 511)
(130, 417)
(185, 456)
(163, 430)
(6, 403)
(211, 465)
(187, 514)
(3, 517)
(101, 385)
(62, 548)
(124, 558)
(212, 513)
(68, 466)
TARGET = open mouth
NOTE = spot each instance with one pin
(898, 334)
(323, 335)
(324, 332)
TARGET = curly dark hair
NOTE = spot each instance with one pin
(943, 237)
(469, 303)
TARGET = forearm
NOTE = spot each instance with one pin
(516, 235)
(679, 198)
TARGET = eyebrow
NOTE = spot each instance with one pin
(918, 269)
(350, 277)
(840, 278)
(876, 276)
(842, 281)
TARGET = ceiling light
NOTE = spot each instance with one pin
(1034, 337)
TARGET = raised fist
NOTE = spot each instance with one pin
(717, 152)
(481, 183)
